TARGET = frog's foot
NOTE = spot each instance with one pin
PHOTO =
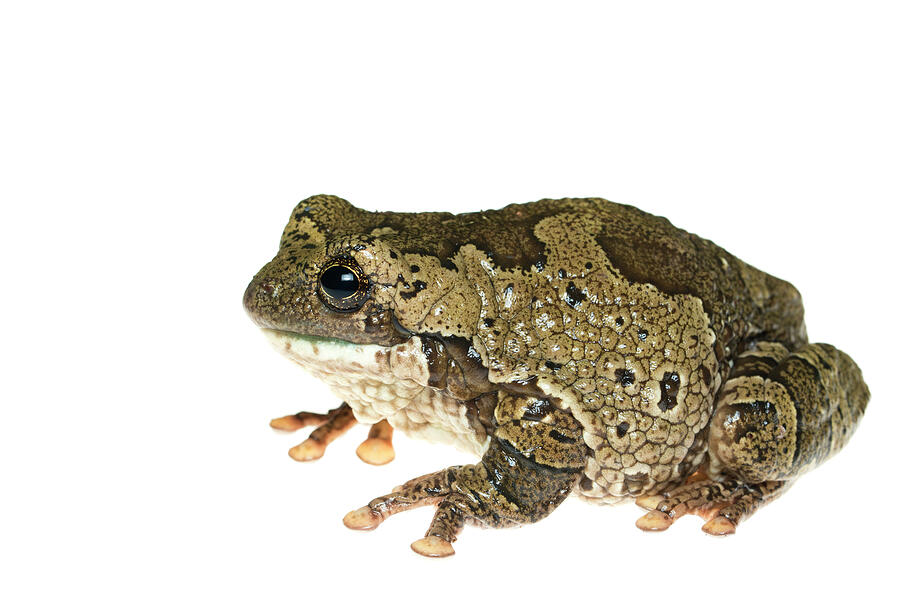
(329, 426)
(376, 450)
(431, 489)
(450, 490)
(722, 504)
(527, 471)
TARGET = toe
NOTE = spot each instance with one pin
(649, 501)
(288, 423)
(362, 519)
(654, 521)
(719, 526)
(307, 450)
(376, 451)
(433, 546)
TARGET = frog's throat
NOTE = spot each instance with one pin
(381, 382)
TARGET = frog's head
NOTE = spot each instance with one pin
(361, 299)
(333, 277)
(378, 278)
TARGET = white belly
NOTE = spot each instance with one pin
(385, 383)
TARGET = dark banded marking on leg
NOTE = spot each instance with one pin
(759, 360)
(779, 414)
(781, 423)
(535, 458)
(829, 397)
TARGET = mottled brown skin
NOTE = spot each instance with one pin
(600, 348)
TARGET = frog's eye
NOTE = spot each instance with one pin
(342, 285)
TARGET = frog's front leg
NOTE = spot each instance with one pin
(376, 449)
(535, 457)
(780, 414)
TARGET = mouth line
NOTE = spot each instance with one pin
(307, 337)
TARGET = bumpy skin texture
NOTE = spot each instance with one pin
(670, 356)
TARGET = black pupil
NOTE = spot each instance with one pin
(339, 282)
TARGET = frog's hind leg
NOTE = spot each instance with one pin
(376, 450)
(780, 414)
(535, 457)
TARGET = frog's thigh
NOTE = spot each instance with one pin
(535, 457)
(780, 414)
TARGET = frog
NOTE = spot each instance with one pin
(575, 346)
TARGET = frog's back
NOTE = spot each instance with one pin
(641, 248)
(630, 322)
(742, 302)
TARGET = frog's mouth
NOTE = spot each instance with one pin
(325, 356)
(304, 339)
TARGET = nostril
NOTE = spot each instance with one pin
(260, 298)
(258, 291)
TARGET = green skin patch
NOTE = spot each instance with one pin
(304, 338)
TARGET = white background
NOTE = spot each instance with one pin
(152, 152)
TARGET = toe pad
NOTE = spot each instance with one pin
(433, 546)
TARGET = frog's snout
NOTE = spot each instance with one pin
(260, 292)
